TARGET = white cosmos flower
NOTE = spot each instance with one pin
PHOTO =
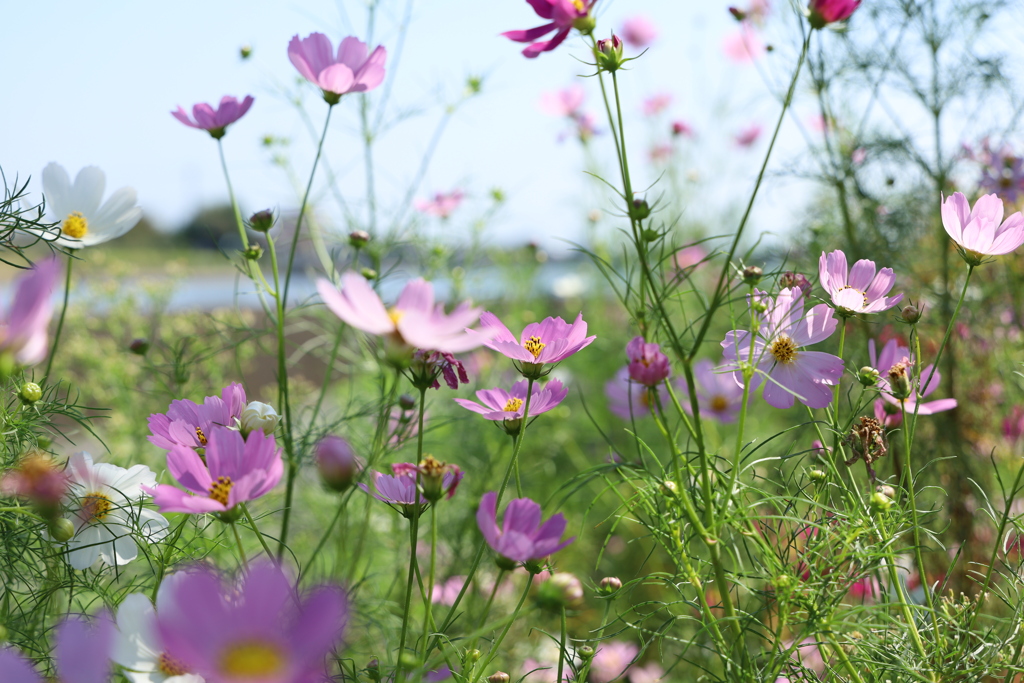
(83, 221)
(106, 505)
(138, 648)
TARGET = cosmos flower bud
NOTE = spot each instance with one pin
(253, 253)
(373, 669)
(259, 416)
(752, 275)
(737, 13)
(911, 314)
(817, 475)
(245, 51)
(62, 530)
(30, 392)
(262, 221)
(358, 239)
(669, 488)
(586, 652)
(783, 582)
(585, 24)
(792, 280)
(406, 401)
(886, 490)
(609, 585)
(139, 346)
(880, 502)
(562, 590)
(639, 209)
(868, 376)
(471, 656)
(899, 380)
(498, 677)
(609, 53)
(432, 478)
(368, 273)
(338, 464)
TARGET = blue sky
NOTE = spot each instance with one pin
(93, 83)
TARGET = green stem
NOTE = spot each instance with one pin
(838, 429)
(908, 472)
(231, 194)
(493, 652)
(414, 528)
(428, 597)
(60, 321)
(302, 208)
(561, 648)
(843, 658)
(327, 532)
(283, 400)
(241, 550)
(256, 530)
(166, 555)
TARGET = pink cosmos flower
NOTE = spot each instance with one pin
(352, 70)
(447, 592)
(639, 31)
(399, 490)
(38, 479)
(565, 102)
(414, 322)
(682, 128)
(661, 154)
(259, 630)
(982, 231)
(564, 14)
(866, 591)
(189, 424)
(1013, 424)
(692, 256)
(655, 104)
(522, 537)
(215, 121)
(718, 394)
(647, 364)
(236, 469)
(550, 341)
(651, 673)
(749, 135)
(337, 462)
(777, 351)
(499, 404)
(743, 46)
(23, 330)
(442, 205)
(825, 12)
(612, 661)
(630, 400)
(82, 652)
(540, 672)
(891, 354)
(857, 289)
(859, 156)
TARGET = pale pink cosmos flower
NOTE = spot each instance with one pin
(447, 592)
(859, 156)
(982, 231)
(442, 205)
(858, 289)
(189, 424)
(236, 469)
(718, 394)
(354, 69)
(565, 102)
(777, 351)
(563, 15)
(550, 341)
(260, 629)
(691, 257)
(655, 104)
(639, 31)
(749, 135)
(887, 409)
(651, 673)
(743, 46)
(23, 334)
(414, 322)
(612, 661)
(522, 536)
(215, 121)
(647, 364)
(399, 490)
(540, 672)
(499, 404)
(82, 652)
(662, 154)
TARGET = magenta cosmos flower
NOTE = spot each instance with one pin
(23, 334)
(824, 12)
(508, 406)
(858, 289)
(352, 70)
(189, 424)
(718, 394)
(82, 652)
(887, 410)
(630, 400)
(414, 322)
(442, 205)
(777, 351)
(749, 135)
(258, 632)
(982, 231)
(237, 469)
(522, 537)
(550, 341)
(215, 121)
(647, 364)
(564, 16)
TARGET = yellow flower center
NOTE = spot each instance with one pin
(95, 507)
(75, 225)
(534, 345)
(719, 403)
(252, 659)
(395, 315)
(513, 405)
(220, 490)
(578, 4)
(784, 349)
(201, 436)
(169, 666)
